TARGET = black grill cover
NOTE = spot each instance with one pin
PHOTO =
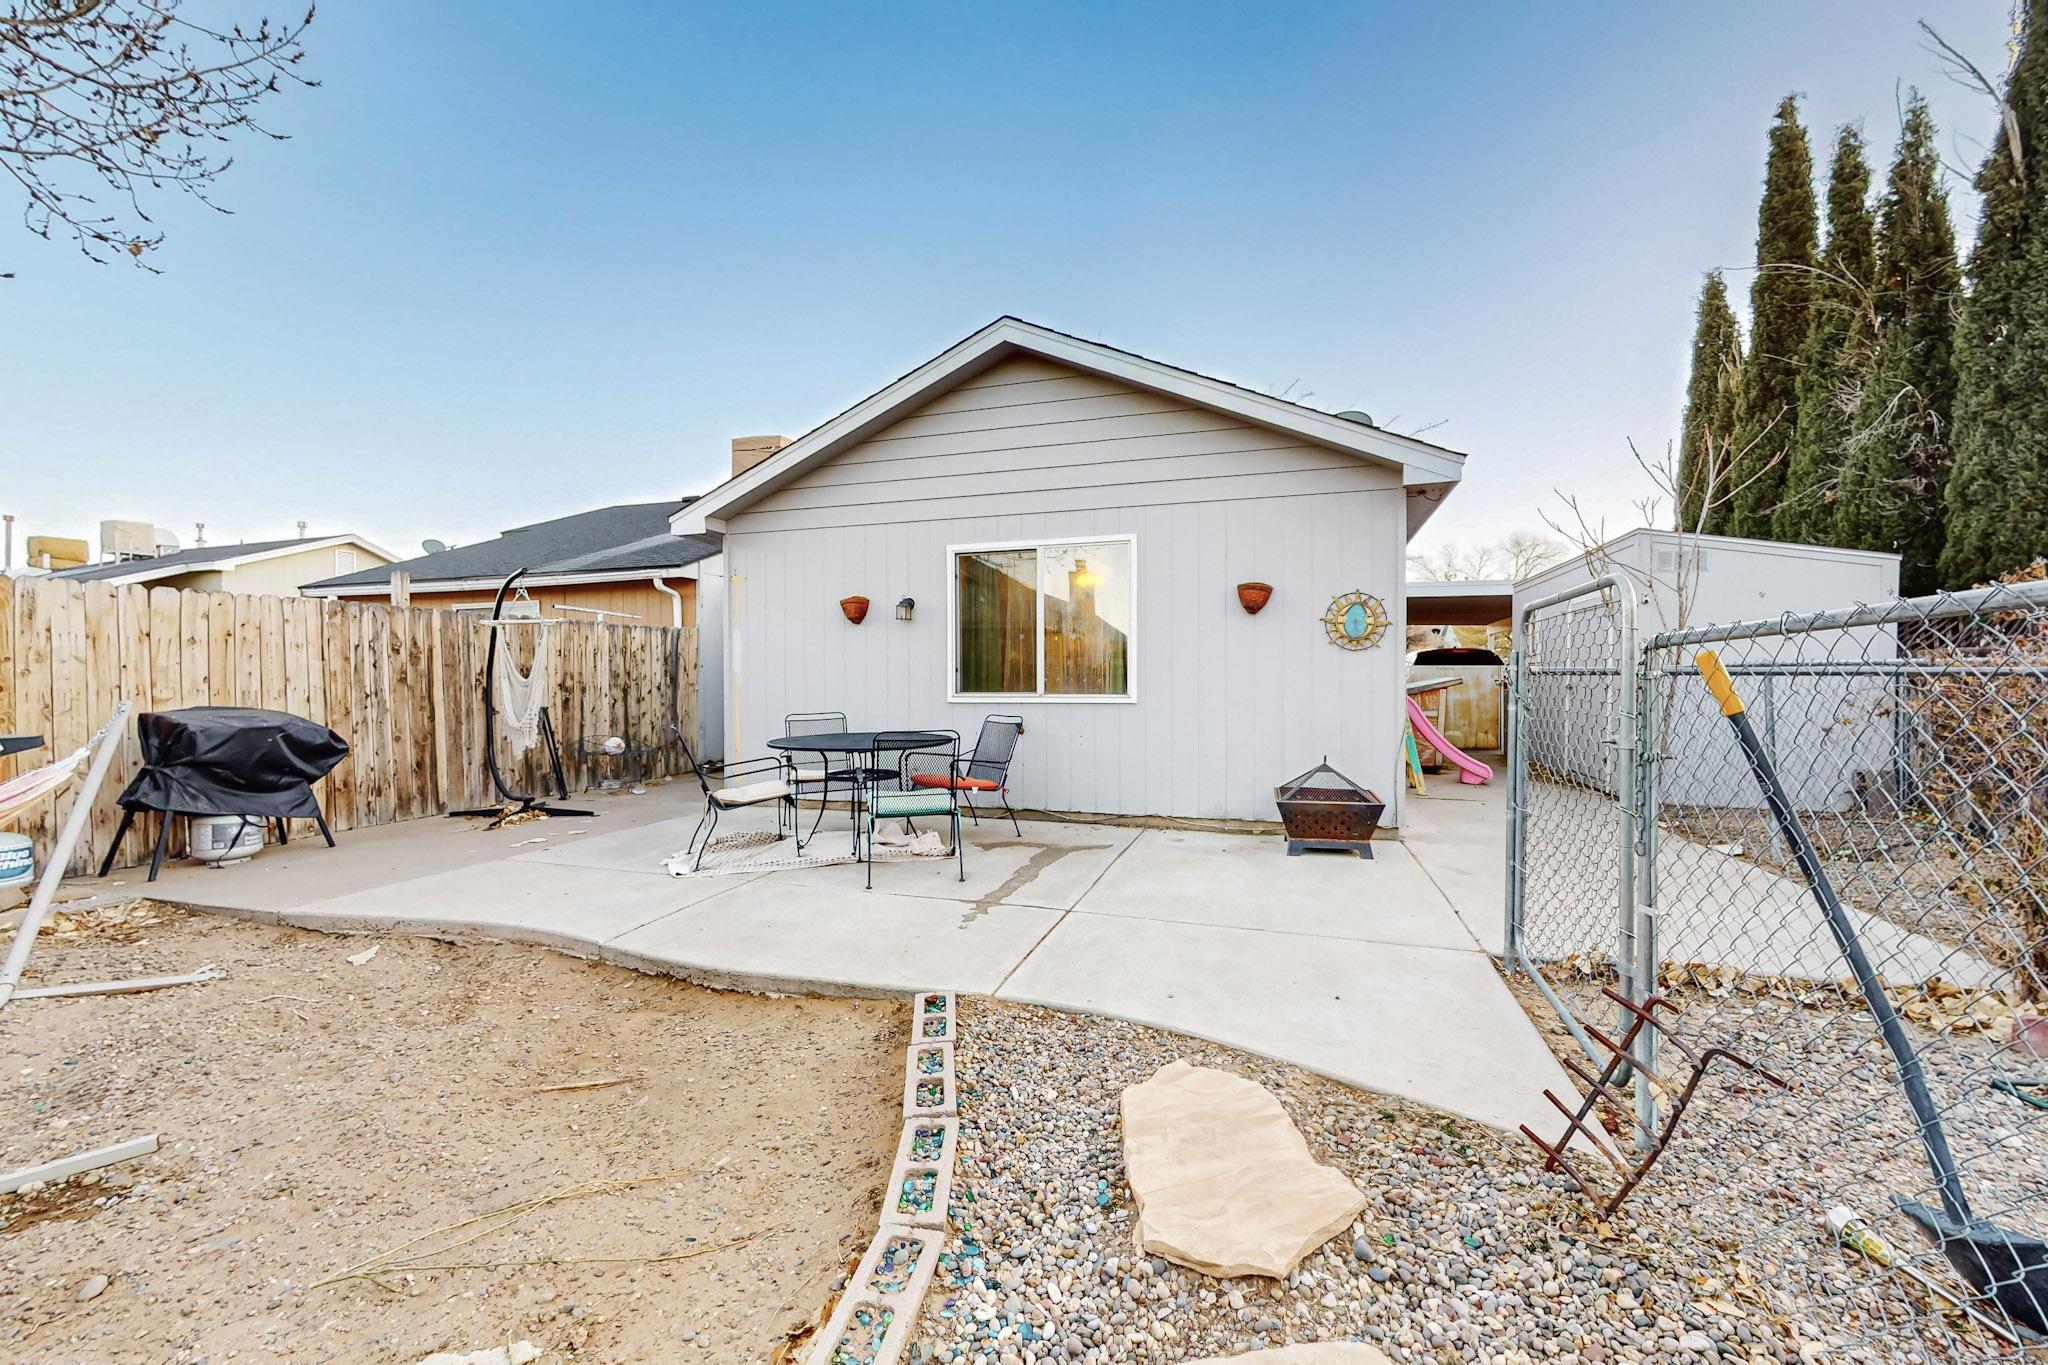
(231, 760)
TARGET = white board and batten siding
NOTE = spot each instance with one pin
(1224, 705)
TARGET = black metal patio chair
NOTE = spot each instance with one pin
(913, 798)
(821, 778)
(758, 792)
(986, 768)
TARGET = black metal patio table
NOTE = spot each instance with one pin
(857, 776)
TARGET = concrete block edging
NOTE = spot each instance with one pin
(928, 1084)
(877, 1314)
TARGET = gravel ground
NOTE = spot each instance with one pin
(1467, 1250)
(1759, 1168)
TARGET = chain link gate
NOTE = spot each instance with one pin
(1911, 741)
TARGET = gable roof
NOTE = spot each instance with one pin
(629, 539)
(1427, 469)
(201, 558)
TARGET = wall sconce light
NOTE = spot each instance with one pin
(905, 608)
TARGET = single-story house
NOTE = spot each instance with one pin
(272, 567)
(1066, 526)
(623, 561)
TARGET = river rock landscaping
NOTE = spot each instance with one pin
(1467, 1249)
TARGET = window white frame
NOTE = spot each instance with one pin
(953, 692)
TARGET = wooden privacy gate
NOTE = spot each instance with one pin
(402, 685)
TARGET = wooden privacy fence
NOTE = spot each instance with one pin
(404, 687)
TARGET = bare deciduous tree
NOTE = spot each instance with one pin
(102, 101)
(1589, 537)
(1514, 556)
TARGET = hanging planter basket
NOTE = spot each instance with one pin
(1252, 596)
(855, 609)
(1322, 808)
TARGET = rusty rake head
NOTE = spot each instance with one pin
(1603, 1090)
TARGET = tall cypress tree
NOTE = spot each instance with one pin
(1897, 472)
(1707, 434)
(1840, 337)
(1998, 490)
(1780, 306)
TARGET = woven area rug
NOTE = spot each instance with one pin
(733, 855)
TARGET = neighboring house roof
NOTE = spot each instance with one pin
(630, 540)
(207, 558)
(1428, 471)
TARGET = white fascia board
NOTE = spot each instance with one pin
(1418, 461)
(535, 580)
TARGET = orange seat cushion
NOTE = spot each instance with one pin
(973, 784)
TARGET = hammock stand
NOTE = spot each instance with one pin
(513, 802)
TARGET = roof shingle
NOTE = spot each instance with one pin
(632, 535)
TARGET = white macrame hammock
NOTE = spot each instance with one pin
(520, 695)
(17, 794)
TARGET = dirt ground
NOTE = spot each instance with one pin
(315, 1114)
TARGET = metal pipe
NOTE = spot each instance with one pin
(1649, 957)
(1911, 1079)
(60, 854)
(1935, 607)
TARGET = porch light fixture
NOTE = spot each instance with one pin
(905, 608)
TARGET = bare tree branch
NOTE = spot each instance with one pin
(116, 98)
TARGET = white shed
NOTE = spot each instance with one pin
(1072, 523)
(1693, 580)
(1685, 580)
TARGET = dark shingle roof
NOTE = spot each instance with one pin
(632, 535)
(198, 557)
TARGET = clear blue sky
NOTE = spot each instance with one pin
(518, 260)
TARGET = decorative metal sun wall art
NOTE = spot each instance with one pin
(1356, 620)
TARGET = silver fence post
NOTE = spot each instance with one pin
(1511, 932)
(1649, 958)
(1627, 748)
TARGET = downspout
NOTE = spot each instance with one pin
(661, 586)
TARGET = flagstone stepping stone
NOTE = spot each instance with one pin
(1222, 1181)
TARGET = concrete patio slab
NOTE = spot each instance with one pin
(572, 908)
(637, 848)
(1459, 836)
(1361, 970)
(1050, 865)
(306, 870)
(1249, 882)
(772, 934)
(1433, 1024)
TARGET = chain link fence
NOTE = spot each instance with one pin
(1911, 742)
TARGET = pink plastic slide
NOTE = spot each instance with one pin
(1471, 771)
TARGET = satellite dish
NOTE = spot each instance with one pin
(433, 547)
